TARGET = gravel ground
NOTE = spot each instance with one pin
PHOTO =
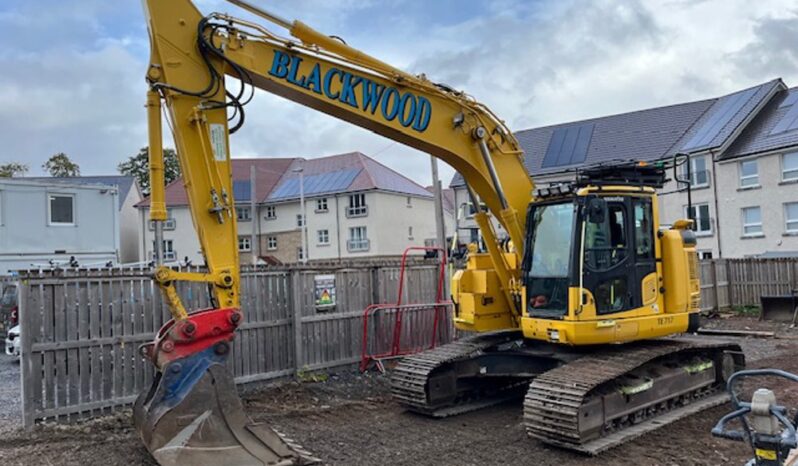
(10, 401)
(351, 420)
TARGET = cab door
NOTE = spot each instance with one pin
(645, 265)
(610, 271)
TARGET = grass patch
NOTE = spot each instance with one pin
(304, 375)
(746, 311)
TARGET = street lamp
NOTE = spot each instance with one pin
(304, 231)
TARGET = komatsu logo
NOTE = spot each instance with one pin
(356, 91)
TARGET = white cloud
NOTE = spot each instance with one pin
(87, 104)
(533, 63)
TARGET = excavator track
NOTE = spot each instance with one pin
(413, 381)
(580, 405)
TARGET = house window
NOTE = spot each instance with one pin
(357, 206)
(409, 232)
(321, 204)
(358, 241)
(323, 236)
(169, 224)
(62, 209)
(245, 243)
(271, 212)
(752, 221)
(271, 243)
(243, 214)
(749, 174)
(300, 220)
(705, 255)
(699, 174)
(300, 254)
(700, 213)
(791, 217)
(471, 211)
(789, 167)
(169, 253)
(409, 201)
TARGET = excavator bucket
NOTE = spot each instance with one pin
(192, 415)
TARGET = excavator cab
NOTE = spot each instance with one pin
(600, 244)
(597, 267)
(593, 268)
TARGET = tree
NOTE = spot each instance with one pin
(12, 169)
(138, 166)
(60, 166)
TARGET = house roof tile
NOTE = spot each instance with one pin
(347, 172)
(759, 136)
(649, 134)
(267, 173)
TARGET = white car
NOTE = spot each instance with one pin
(13, 342)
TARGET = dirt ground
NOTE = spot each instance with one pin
(350, 420)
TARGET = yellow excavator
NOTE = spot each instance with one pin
(568, 311)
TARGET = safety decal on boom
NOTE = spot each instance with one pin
(218, 144)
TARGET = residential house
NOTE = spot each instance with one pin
(760, 183)
(44, 223)
(449, 210)
(180, 237)
(354, 207)
(721, 135)
(129, 194)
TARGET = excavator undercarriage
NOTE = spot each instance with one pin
(586, 399)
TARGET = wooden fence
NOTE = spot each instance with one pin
(740, 282)
(81, 329)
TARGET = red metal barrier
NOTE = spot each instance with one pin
(393, 330)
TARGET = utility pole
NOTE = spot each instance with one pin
(254, 246)
(440, 225)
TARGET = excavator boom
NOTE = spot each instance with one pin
(192, 414)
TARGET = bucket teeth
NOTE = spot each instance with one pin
(193, 415)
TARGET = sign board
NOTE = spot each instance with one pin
(324, 292)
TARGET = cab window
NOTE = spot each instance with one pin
(606, 242)
(611, 296)
(644, 233)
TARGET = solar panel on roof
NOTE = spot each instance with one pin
(788, 122)
(791, 99)
(568, 146)
(316, 184)
(242, 190)
(722, 113)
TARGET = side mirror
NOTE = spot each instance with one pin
(596, 210)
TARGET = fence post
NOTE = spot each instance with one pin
(794, 283)
(729, 285)
(375, 285)
(26, 356)
(713, 263)
(296, 309)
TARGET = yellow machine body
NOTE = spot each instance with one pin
(670, 294)
(191, 54)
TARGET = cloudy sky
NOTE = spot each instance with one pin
(72, 70)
